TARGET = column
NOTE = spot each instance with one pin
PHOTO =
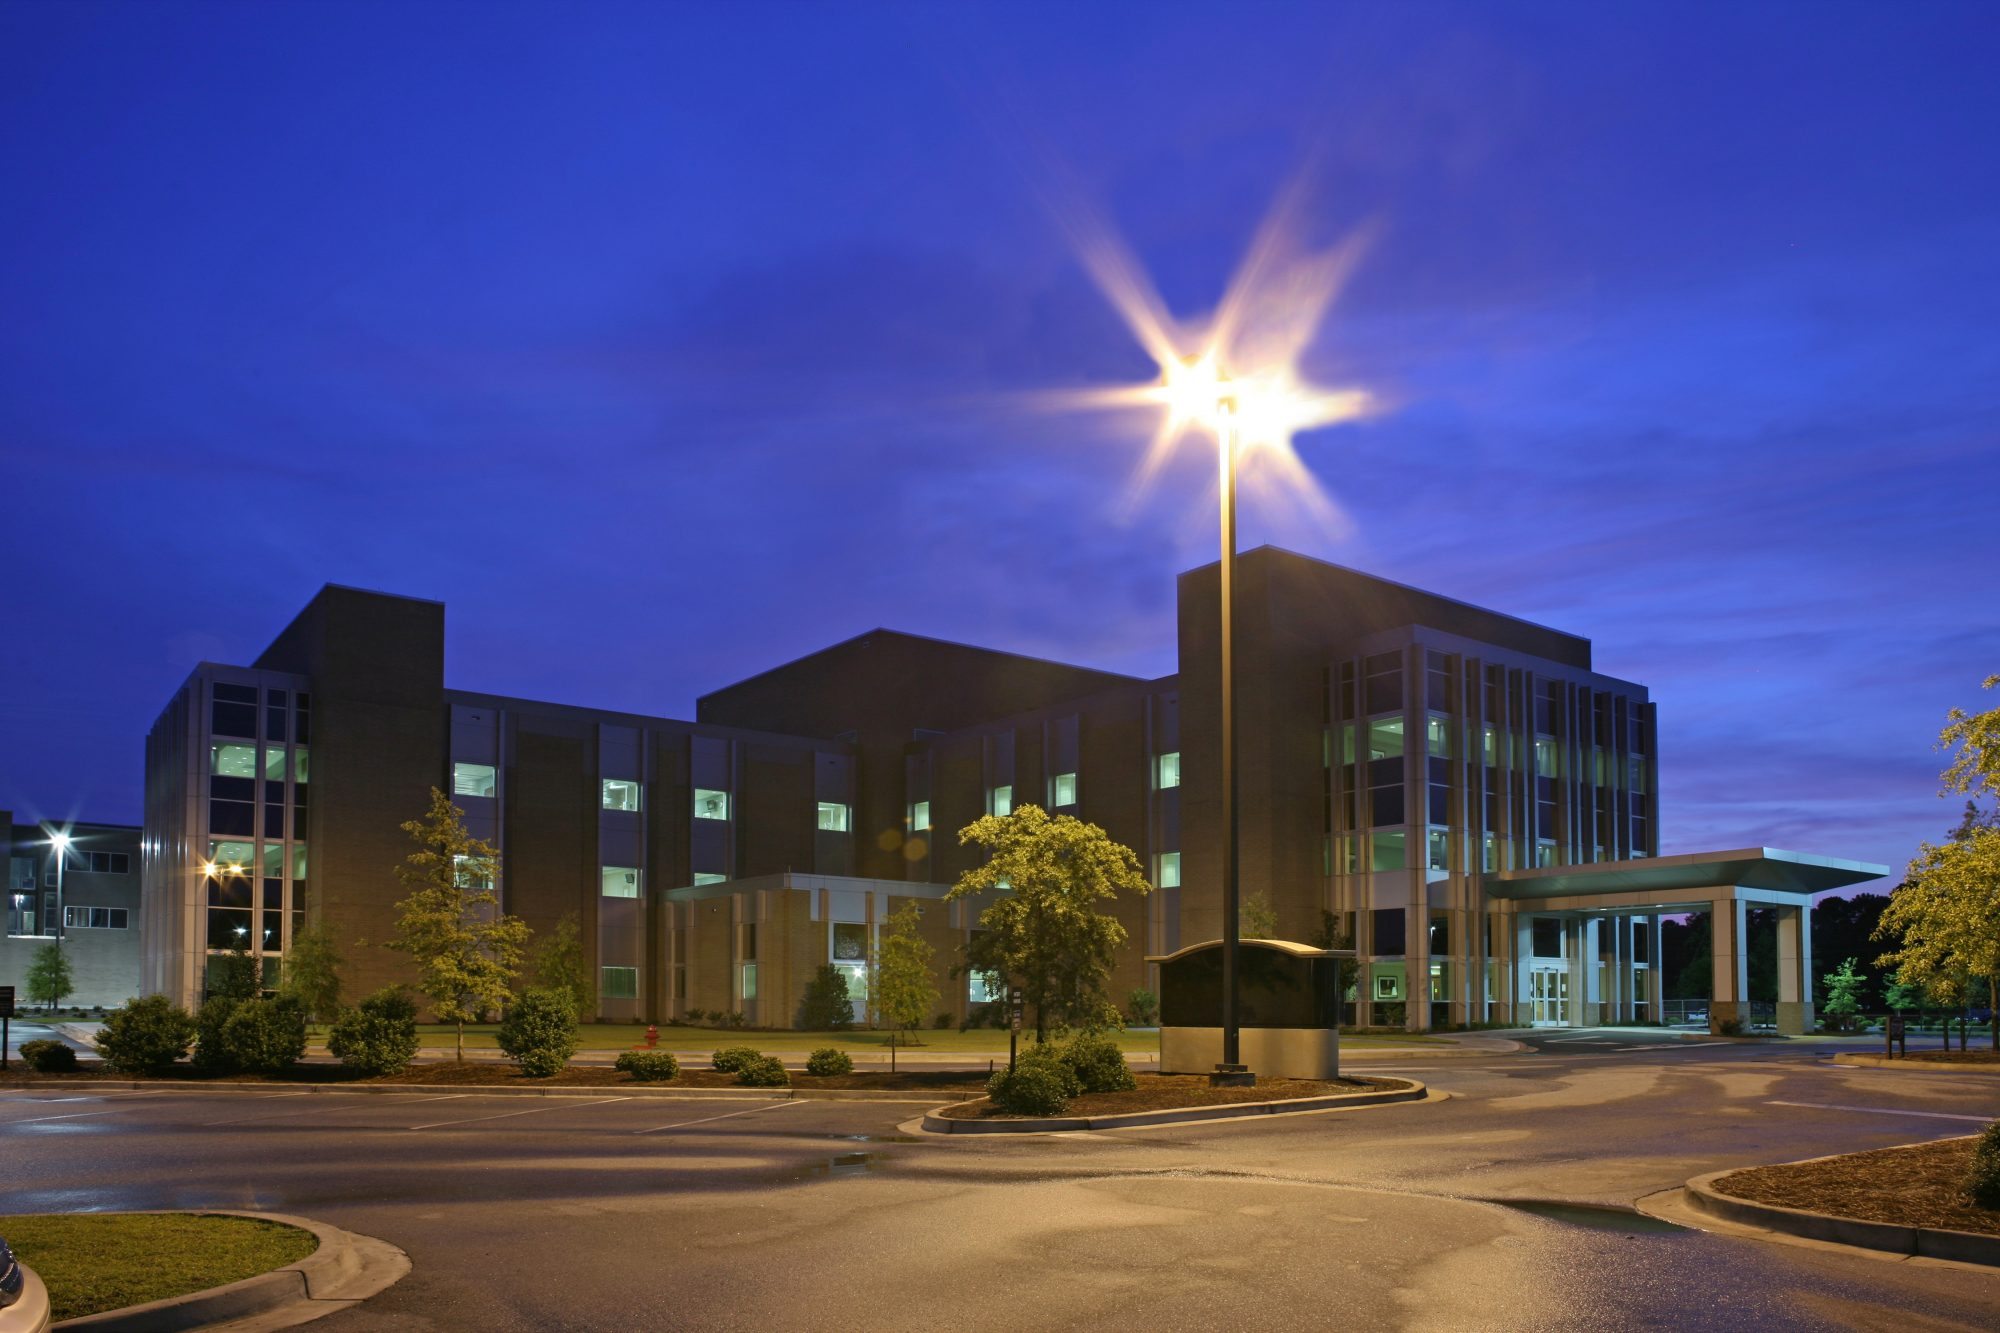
(1656, 975)
(1795, 994)
(1590, 1005)
(1524, 952)
(1729, 990)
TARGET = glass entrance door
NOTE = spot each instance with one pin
(1548, 997)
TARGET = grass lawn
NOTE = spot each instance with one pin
(94, 1262)
(677, 1037)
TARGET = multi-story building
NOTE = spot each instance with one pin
(1412, 769)
(91, 907)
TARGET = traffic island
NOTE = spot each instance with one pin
(1164, 1099)
(1934, 1061)
(1907, 1201)
(165, 1271)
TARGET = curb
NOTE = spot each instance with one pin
(935, 1123)
(345, 1270)
(478, 1090)
(1857, 1060)
(1929, 1242)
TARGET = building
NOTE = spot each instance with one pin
(1413, 770)
(93, 907)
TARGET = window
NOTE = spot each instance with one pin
(94, 918)
(1062, 790)
(1169, 874)
(1545, 757)
(618, 983)
(619, 881)
(1383, 687)
(920, 816)
(1547, 936)
(1439, 844)
(477, 877)
(1170, 769)
(1388, 851)
(982, 989)
(710, 804)
(107, 863)
(20, 913)
(1490, 854)
(1385, 738)
(298, 862)
(847, 941)
(1489, 745)
(1389, 930)
(1545, 852)
(1000, 801)
(232, 761)
(472, 779)
(621, 795)
(1346, 855)
(1635, 773)
(233, 710)
(700, 879)
(746, 983)
(833, 817)
(274, 763)
(1437, 738)
(302, 771)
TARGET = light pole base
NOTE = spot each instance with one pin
(1232, 1076)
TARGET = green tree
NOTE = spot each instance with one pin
(467, 950)
(1042, 930)
(1976, 736)
(901, 986)
(1843, 995)
(49, 975)
(1256, 919)
(826, 1006)
(559, 963)
(312, 974)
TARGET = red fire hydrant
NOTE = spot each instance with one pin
(652, 1035)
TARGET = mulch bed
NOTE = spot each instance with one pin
(1920, 1186)
(494, 1074)
(1933, 1056)
(1172, 1092)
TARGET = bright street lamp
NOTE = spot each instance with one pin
(59, 844)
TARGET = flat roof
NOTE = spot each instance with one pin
(1745, 867)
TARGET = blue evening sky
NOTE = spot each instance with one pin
(666, 342)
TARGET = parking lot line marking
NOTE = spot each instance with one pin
(365, 1101)
(562, 1103)
(73, 1115)
(682, 1124)
(1886, 1110)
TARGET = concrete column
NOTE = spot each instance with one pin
(1524, 952)
(1590, 1009)
(1656, 977)
(1795, 995)
(1729, 990)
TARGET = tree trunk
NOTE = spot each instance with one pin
(892, 1052)
(1993, 1008)
(461, 1041)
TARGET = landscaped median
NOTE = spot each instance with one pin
(1909, 1200)
(1162, 1099)
(158, 1272)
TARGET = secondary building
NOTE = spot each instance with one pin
(76, 886)
(1407, 765)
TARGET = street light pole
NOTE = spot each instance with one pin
(1231, 1068)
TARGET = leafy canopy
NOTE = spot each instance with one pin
(559, 964)
(1042, 931)
(49, 976)
(900, 985)
(467, 950)
(312, 974)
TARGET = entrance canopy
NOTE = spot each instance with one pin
(1695, 879)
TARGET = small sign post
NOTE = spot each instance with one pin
(1014, 1026)
(6, 1022)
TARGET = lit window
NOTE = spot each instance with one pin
(1347, 733)
(274, 860)
(1439, 843)
(1385, 738)
(1545, 757)
(466, 779)
(703, 878)
(298, 862)
(233, 761)
(1489, 744)
(1346, 855)
(1170, 769)
(1437, 738)
(832, 817)
(1388, 851)
(710, 804)
(474, 873)
(620, 881)
(231, 857)
(848, 942)
(920, 816)
(1000, 801)
(980, 988)
(1062, 790)
(1490, 853)
(621, 795)
(747, 984)
(1545, 852)
(274, 763)
(301, 769)
(1170, 870)
(618, 983)
(1635, 773)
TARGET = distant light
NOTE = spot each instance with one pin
(59, 841)
(208, 869)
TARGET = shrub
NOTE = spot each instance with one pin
(731, 1059)
(766, 1071)
(825, 1007)
(1982, 1182)
(539, 1032)
(1143, 1008)
(265, 1036)
(378, 1036)
(146, 1036)
(48, 1057)
(1039, 1084)
(697, 1016)
(826, 1062)
(211, 1047)
(649, 1066)
(1729, 1027)
(1098, 1065)
(941, 1022)
(735, 1019)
